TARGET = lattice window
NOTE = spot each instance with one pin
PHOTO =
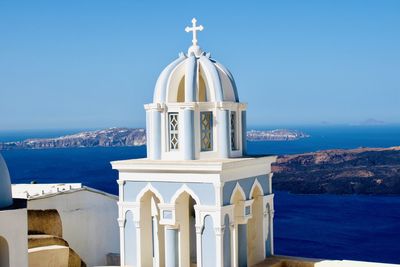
(173, 123)
(206, 127)
(233, 131)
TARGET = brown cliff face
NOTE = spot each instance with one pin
(356, 171)
(112, 137)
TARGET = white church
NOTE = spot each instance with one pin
(196, 200)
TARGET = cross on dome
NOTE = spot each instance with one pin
(194, 29)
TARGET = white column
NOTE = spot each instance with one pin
(199, 249)
(188, 133)
(138, 250)
(219, 239)
(156, 244)
(121, 221)
(121, 184)
(268, 224)
(121, 224)
(235, 248)
(271, 228)
(223, 133)
(171, 246)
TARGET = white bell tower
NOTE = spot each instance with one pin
(196, 200)
(196, 113)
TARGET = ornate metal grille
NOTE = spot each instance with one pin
(206, 126)
(233, 130)
(173, 131)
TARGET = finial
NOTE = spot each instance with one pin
(194, 29)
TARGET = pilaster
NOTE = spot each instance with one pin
(138, 251)
(121, 224)
(219, 239)
(199, 248)
(188, 133)
(223, 132)
(171, 246)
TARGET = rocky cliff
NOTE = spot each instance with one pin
(113, 137)
(116, 137)
(357, 171)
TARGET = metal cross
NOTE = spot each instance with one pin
(194, 29)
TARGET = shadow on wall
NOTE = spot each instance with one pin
(4, 253)
(45, 242)
(44, 222)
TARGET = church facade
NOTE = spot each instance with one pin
(197, 199)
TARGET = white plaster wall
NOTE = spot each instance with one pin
(49, 256)
(89, 222)
(14, 228)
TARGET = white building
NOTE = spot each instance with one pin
(196, 200)
(13, 224)
(87, 221)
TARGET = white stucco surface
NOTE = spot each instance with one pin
(49, 256)
(29, 191)
(14, 228)
(5, 185)
(89, 217)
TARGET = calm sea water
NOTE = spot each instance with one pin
(319, 226)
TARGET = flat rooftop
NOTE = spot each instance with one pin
(34, 191)
(216, 164)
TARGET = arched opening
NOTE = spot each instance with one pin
(186, 218)
(255, 242)
(239, 237)
(151, 232)
(209, 254)
(181, 91)
(202, 90)
(4, 253)
(204, 85)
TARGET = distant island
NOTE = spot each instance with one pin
(275, 135)
(112, 137)
(356, 171)
(372, 122)
(118, 137)
(338, 171)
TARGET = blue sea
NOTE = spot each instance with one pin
(318, 226)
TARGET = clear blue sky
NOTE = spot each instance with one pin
(93, 64)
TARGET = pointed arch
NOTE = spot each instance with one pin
(255, 185)
(147, 188)
(212, 79)
(255, 224)
(184, 188)
(174, 79)
(160, 93)
(239, 189)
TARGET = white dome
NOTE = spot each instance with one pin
(196, 113)
(212, 82)
(5, 185)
